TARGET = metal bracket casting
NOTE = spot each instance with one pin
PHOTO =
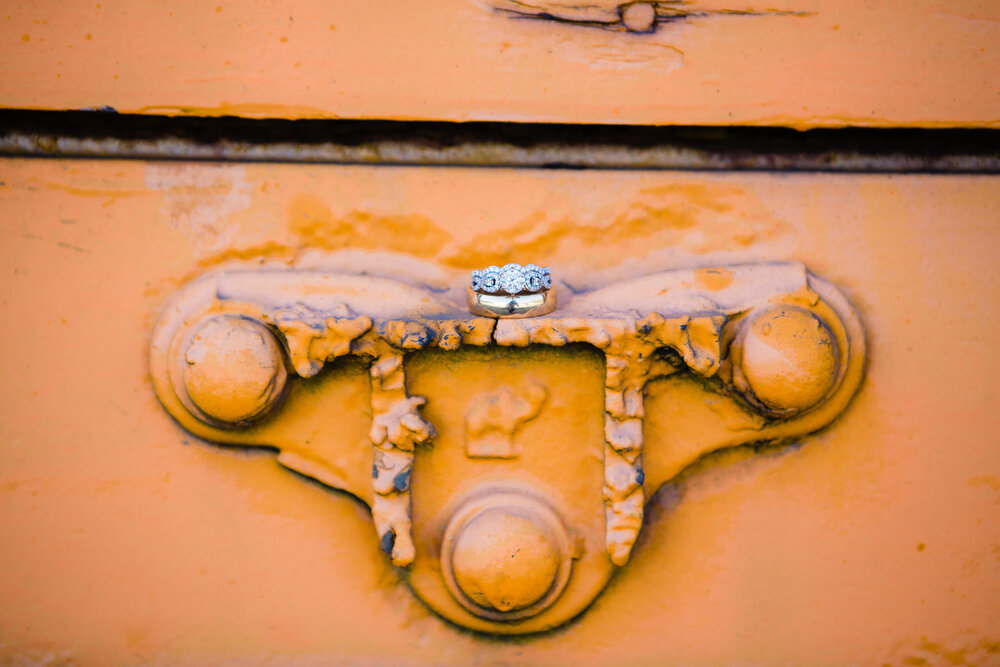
(517, 538)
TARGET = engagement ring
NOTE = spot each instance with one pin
(512, 291)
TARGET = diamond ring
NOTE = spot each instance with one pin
(512, 291)
(512, 279)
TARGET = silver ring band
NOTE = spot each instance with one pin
(510, 306)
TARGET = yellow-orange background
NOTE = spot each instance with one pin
(125, 540)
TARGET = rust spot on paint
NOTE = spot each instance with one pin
(316, 226)
(992, 481)
(248, 110)
(94, 192)
(263, 251)
(697, 217)
(713, 279)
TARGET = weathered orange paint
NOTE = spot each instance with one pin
(876, 542)
(714, 278)
(800, 63)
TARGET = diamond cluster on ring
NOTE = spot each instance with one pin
(512, 279)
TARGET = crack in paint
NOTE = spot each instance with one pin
(611, 15)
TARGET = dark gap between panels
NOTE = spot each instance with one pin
(108, 134)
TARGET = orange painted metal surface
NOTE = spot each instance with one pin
(801, 63)
(127, 540)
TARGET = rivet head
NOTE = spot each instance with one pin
(789, 359)
(639, 16)
(234, 369)
(503, 561)
(506, 555)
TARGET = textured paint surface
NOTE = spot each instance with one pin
(877, 542)
(802, 63)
